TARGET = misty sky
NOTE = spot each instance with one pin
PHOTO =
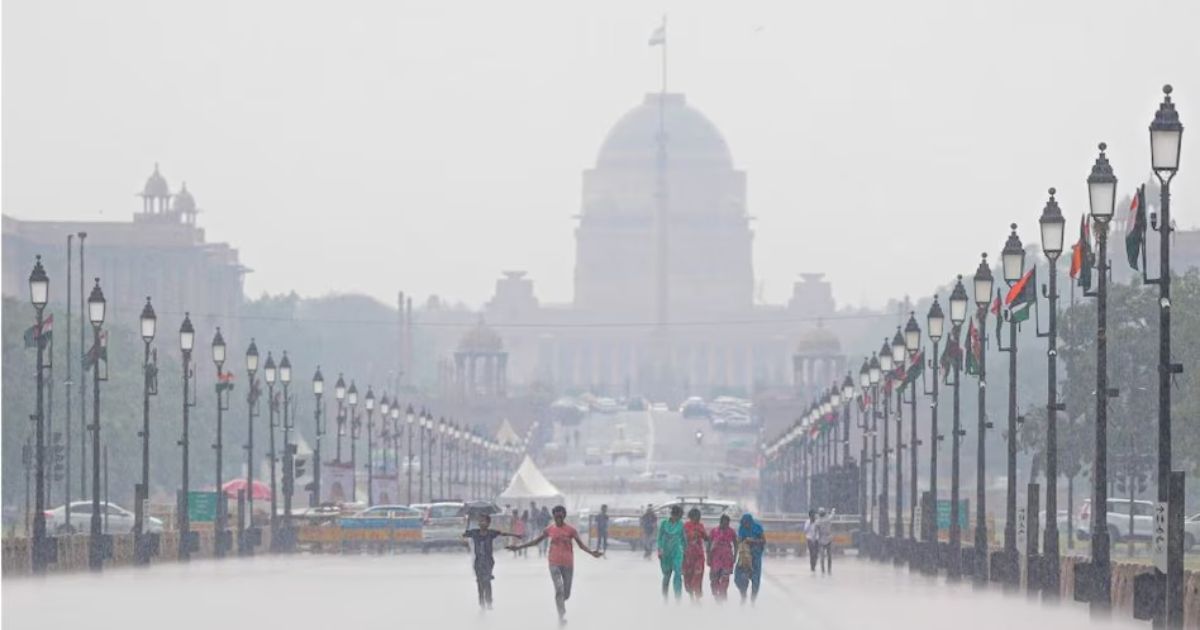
(426, 146)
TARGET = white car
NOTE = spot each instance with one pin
(114, 519)
(1118, 519)
(443, 524)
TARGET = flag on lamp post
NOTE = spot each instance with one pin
(659, 36)
(1135, 233)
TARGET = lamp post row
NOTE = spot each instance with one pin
(886, 368)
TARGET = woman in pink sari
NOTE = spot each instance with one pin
(723, 540)
(693, 554)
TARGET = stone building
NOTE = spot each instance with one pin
(160, 253)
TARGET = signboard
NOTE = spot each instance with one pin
(943, 514)
(202, 506)
(1022, 525)
(337, 482)
(1160, 536)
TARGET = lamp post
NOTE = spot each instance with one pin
(442, 457)
(187, 340)
(935, 319)
(1102, 198)
(98, 544)
(432, 429)
(885, 366)
(148, 326)
(1051, 225)
(355, 430)
(912, 345)
(248, 536)
(39, 294)
(289, 471)
(864, 427)
(958, 314)
(409, 419)
(270, 373)
(898, 353)
(339, 393)
(874, 374)
(1166, 138)
(421, 428)
(396, 428)
(385, 433)
(220, 543)
(983, 296)
(370, 405)
(318, 388)
(1012, 259)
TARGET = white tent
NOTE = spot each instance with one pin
(529, 484)
(506, 434)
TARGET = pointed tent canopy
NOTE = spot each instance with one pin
(529, 484)
(506, 434)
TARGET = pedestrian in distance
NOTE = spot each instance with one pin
(748, 573)
(544, 519)
(519, 529)
(722, 541)
(671, 542)
(602, 529)
(693, 554)
(810, 540)
(482, 537)
(649, 523)
(562, 557)
(825, 540)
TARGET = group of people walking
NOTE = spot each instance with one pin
(685, 548)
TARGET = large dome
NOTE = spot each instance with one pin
(691, 137)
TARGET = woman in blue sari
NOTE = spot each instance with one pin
(748, 572)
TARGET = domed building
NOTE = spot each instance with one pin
(818, 362)
(480, 363)
(708, 238)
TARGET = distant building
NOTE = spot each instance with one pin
(606, 340)
(161, 253)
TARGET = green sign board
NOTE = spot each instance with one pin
(202, 507)
(943, 514)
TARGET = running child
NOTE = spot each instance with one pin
(562, 557)
(482, 538)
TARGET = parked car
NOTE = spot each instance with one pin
(637, 403)
(710, 514)
(606, 406)
(1118, 519)
(114, 519)
(694, 407)
(1191, 532)
(593, 456)
(443, 524)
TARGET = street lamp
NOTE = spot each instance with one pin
(187, 341)
(355, 430)
(864, 382)
(385, 407)
(248, 534)
(339, 392)
(958, 315)
(885, 366)
(370, 405)
(39, 295)
(409, 419)
(1166, 139)
(847, 396)
(98, 545)
(1051, 224)
(318, 389)
(442, 456)
(148, 325)
(289, 452)
(1012, 262)
(270, 373)
(220, 538)
(983, 297)
(935, 321)
(1102, 197)
(899, 364)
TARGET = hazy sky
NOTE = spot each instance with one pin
(426, 146)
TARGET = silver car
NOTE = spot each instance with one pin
(114, 519)
(443, 525)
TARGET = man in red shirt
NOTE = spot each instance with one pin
(562, 556)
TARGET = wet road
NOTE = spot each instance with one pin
(437, 592)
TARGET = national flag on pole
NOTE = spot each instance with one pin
(97, 352)
(996, 305)
(1022, 296)
(1135, 230)
(951, 356)
(659, 36)
(1081, 256)
(916, 366)
(974, 350)
(31, 333)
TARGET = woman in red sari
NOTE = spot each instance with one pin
(693, 554)
(723, 541)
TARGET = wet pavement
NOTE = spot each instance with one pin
(438, 591)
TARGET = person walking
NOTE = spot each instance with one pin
(810, 540)
(544, 519)
(482, 537)
(722, 541)
(750, 551)
(671, 542)
(693, 554)
(519, 529)
(649, 525)
(602, 529)
(825, 540)
(562, 557)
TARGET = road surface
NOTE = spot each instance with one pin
(436, 592)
